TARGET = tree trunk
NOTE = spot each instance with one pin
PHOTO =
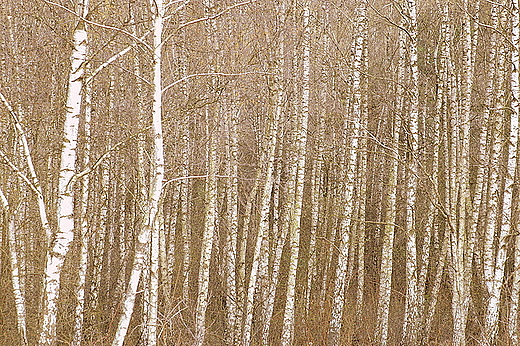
(348, 200)
(294, 227)
(19, 298)
(65, 231)
(150, 226)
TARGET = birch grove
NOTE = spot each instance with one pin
(296, 172)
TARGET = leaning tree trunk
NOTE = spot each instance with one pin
(19, 298)
(150, 226)
(65, 230)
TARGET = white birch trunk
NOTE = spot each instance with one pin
(232, 235)
(316, 207)
(33, 177)
(19, 299)
(260, 254)
(185, 170)
(211, 198)
(150, 226)
(207, 241)
(153, 285)
(242, 245)
(65, 230)
(410, 327)
(385, 279)
(83, 228)
(509, 217)
(494, 257)
(363, 184)
(463, 239)
(340, 284)
(280, 237)
(294, 227)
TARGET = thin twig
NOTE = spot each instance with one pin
(218, 74)
(18, 172)
(109, 27)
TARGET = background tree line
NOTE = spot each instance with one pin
(259, 172)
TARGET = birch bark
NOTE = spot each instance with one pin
(232, 235)
(208, 235)
(150, 226)
(19, 298)
(294, 227)
(513, 173)
(348, 199)
(260, 253)
(32, 172)
(463, 239)
(185, 170)
(495, 255)
(410, 327)
(317, 170)
(83, 228)
(61, 243)
(385, 279)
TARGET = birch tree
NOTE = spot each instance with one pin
(60, 243)
(387, 234)
(21, 315)
(294, 226)
(410, 328)
(211, 194)
(345, 230)
(495, 252)
(509, 210)
(150, 226)
(463, 239)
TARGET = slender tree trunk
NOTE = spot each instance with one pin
(19, 298)
(150, 226)
(348, 200)
(385, 279)
(294, 227)
(211, 200)
(232, 235)
(42, 209)
(509, 215)
(495, 255)
(65, 234)
(207, 241)
(83, 229)
(462, 243)
(280, 238)
(317, 171)
(410, 328)
(260, 255)
(242, 245)
(185, 166)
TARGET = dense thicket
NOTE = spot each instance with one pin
(259, 173)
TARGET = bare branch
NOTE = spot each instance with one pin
(114, 58)
(109, 27)
(216, 15)
(390, 21)
(219, 74)
(34, 182)
(201, 177)
(18, 172)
